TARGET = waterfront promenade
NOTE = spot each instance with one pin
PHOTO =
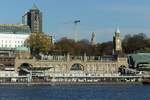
(71, 70)
(24, 80)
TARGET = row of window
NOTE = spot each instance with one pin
(12, 41)
(10, 46)
(6, 59)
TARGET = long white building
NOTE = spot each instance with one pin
(13, 35)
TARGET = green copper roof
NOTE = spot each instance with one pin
(34, 7)
(140, 57)
(22, 49)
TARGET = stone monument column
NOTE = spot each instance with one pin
(84, 57)
(68, 57)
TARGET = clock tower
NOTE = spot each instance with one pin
(117, 43)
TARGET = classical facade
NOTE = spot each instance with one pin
(73, 68)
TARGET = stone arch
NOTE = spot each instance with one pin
(19, 62)
(121, 69)
(24, 68)
(122, 66)
(77, 67)
(2, 66)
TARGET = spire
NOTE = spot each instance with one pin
(117, 30)
(34, 7)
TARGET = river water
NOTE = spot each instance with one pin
(75, 92)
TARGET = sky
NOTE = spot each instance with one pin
(99, 16)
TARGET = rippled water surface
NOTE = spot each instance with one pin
(75, 92)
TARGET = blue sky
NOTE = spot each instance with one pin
(100, 16)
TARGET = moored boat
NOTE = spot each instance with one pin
(147, 81)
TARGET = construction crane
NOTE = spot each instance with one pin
(76, 30)
(75, 34)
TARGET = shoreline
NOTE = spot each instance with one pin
(73, 83)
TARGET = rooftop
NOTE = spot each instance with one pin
(34, 7)
(14, 28)
(140, 57)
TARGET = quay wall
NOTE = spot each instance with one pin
(82, 70)
(95, 67)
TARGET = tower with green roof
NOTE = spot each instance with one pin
(34, 7)
(34, 19)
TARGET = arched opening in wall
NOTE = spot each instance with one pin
(127, 71)
(77, 67)
(25, 69)
(122, 69)
(2, 67)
